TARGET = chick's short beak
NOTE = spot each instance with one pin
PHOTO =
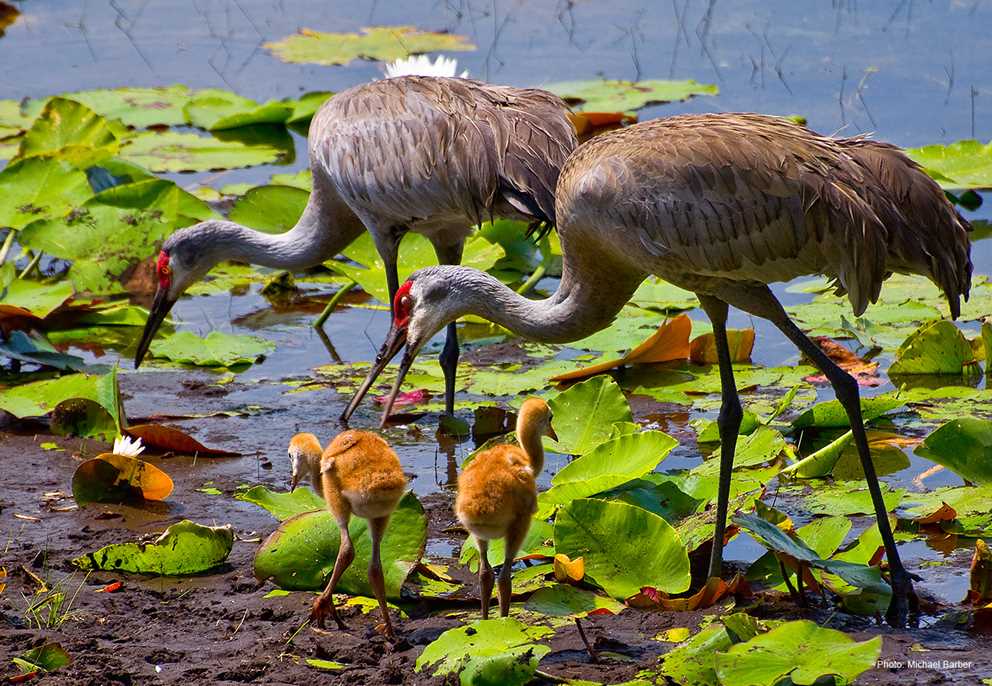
(295, 482)
(551, 432)
(390, 348)
(160, 309)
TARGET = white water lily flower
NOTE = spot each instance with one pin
(125, 445)
(421, 65)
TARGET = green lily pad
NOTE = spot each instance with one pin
(562, 600)
(218, 349)
(482, 638)
(625, 547)
(831, 414)
(40, 188)
(187, 152)
(800, 650)
(40, 299)
(605, 95)
(216, 110)
(538, 534)
(962, 164)
(514, 380)
(282, 506)
(305, 106)
(299, 555)
(656, 294)
(184, 548)
(694, 662)
(937, 347)
(964, 446)
(114, 230)
(607, 466)
(68, 399)
(137, 107)
(71, 131)
(849, 498)
(415, 253)
(583, 415)
(46, 658)
(383, 43)
(13, 118)
(627, 331)
(272, 209)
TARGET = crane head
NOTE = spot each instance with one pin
(422, 306)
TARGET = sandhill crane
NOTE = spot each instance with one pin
(720, 204)
(497, 496)
(425, 154)
(358, 473)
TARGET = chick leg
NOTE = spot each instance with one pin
(324, 604)
(514, 539)
(485, 576)
(377, 528)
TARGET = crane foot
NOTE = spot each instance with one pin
(905, 604)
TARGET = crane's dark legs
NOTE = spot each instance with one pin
(729, 423)
(761, 302)
(377, 528)
(449, 254)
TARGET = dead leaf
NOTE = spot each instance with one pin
(713, 591)
(670, 342)
(567, 569)
(944, 513)
(865, 372)
(589, 124)
(980, 590)
(168, 439)
(112, 587)
(702, 350)
(3, 579)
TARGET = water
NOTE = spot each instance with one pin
(908, 72)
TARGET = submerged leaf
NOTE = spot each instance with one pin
(383, 43)
(184, 548)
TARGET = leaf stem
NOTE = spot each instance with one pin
(31, 265)
(333, 302)
(7, 242)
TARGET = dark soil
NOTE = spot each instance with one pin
(218, 628)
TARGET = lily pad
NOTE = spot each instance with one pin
(187, 152)
(585, 414)
(607, 466)
(482, 638)
(63, 396)
(625, 547)
(300, 554)
(694, 662)
(46, 658)
(184, 548)
(40, 188)
(216, 110)
(800, 650)
(657, 294)
(218, 349)
(831, 414)
(964, 446)
(962, 164)
(562, 600)
(604, 95)
(34, 348)
(937, 347)
(40, 299)
(282, 506)
(137, 107)
(71, 131)
(169, 439)
(385, 43)
(272, 209)
(111, 478)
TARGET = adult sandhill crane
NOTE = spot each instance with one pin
(720, 204)
(424, 154)
(357, 474)
(497, 496)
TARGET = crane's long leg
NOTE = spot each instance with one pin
(762, 302)
(514, 539)
(728, 421)
(324, 604)
(449, 254)
(485, 576)
(377, 528)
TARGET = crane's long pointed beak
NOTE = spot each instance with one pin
(405, 365)
(160, 310)
(394, 343)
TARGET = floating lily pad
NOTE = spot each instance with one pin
(111, 478)
(607, 466)
(831, 414)
(562, 600)
(849, 498)
(187, 152)
(218, 349)
(40, 299)
(34, 348)
(282, 506)
(604, 95)
(70, 131)
(800, 650)
(184, 548)
(656, 294)
(138, 107)
(962, 164)
(272, 209)
(40, 188)
(66, 398)
(300, 554)
(625, 547)
(115, 229)
(383, 43)
(585, 414)
(964, 446)
(937, 347)
(216, 110)
(480, 639)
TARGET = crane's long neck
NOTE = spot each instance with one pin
(588, 298)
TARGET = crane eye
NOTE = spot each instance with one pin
(165, 270)
(405, 302)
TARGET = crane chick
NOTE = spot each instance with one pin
(357, 474)
(497, 495)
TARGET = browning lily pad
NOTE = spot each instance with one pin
(383, 43)
(111, 478)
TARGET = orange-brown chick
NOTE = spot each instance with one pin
(357, 474)
(497, 495)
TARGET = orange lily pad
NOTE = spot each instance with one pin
(702, 350)
(110, 478)
(669, 343)
(865, 372)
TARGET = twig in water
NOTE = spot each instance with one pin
(593, 655)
